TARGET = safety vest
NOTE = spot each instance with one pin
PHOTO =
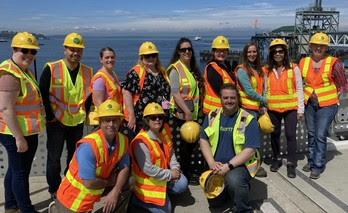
(320, 83)
(281, 92)
(71, 192)
(238, 137)
(146, 188)
(256, 83)
(28, 104)
(112, 85)
(141, 72)
(188, 89)
(66, 99)
(211, 99)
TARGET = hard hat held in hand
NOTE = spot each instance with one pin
(266, 123)
(212, 184)
(190, 131)
(92, 118)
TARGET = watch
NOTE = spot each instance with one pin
(230, 165)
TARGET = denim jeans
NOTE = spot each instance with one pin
(172, 188)
(318, 120)
(56, 135)
(237, 187)
(16, 180)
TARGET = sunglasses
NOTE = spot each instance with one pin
(153, 55)
(281, 52)
(184, 50)
(155, 117)
(26, 51)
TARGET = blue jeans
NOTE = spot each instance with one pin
(237, 187)
(56, 135)
(172, 188)
(16, 180)
(318, 120)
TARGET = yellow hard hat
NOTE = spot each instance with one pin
(74, 40)
(147, 48)
(220, 42)
(109, 108)
(278, 41)
(266, 123)
(153, 109)
(212, 184)
(320, 38)
(190, 131)
(25, 40)
(92, 118)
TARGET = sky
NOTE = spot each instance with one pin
(129, 17)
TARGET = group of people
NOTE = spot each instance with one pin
(142, 167)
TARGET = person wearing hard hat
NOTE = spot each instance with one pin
(324, 79)
(154, 166)
(65, 88)
(239, 160)
(250, 82)
(100, 167)
(145, 83)
(22, 118)
(185, 83)
(217, 72)
(284, 91)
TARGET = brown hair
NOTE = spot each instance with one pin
(246, 63)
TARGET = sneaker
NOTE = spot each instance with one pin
(261, 172)
(14, 210)
(291, 170)
(276, 165)
(306, 168)
(314, 174)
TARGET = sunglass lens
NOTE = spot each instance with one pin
(189, 49)
(154, 55)
(155, 117)
(26, 51)
(33, 52)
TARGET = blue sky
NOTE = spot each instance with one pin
(53, 17)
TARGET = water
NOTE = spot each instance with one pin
(126, 49)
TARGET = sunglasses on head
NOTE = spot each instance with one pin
(183, 50)
(278, 51)
(153, 55)
(155, 117)
(26, 51)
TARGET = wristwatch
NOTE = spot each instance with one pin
(230, 165)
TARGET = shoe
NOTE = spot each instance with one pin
(306, 168)
(14, 210)
(314, 174)
(261, 172)
(276, 165)
(291, 171)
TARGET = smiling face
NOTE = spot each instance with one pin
(252, 54)
(73, 55)
(318, 50)
(149, 60)
(185, 52)
(220, 54)
(108, 60)
(229, 101)
(278, 54)
(155, 122)
(21, 59)
(109, 126)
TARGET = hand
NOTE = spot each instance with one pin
(53, 120)
(189, 116)
(110, 201)
(131, 123)
(216, 166)
(224, 169)
(22, 145)
(175, 174)
(300, 116)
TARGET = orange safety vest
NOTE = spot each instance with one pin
(141, 72)
(28, 104)
(281, 92)
(71, 192)
(146, 188)
(66, 99)
(320, 83)
(256, 83)
(112, 85)
(211, 99)
(188, 89)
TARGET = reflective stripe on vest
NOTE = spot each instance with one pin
(256, 83)
(28, 104)
(212, 100)
(146, 188)
(321, 82)
(67, 99)
(72, 193)
(188, 90)
(281, 92)
(238, 136)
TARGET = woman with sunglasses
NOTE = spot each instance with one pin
(185, 84)
(217, 72)
(155, 168)
(21, 120)
(145, 83)
(284, 91)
